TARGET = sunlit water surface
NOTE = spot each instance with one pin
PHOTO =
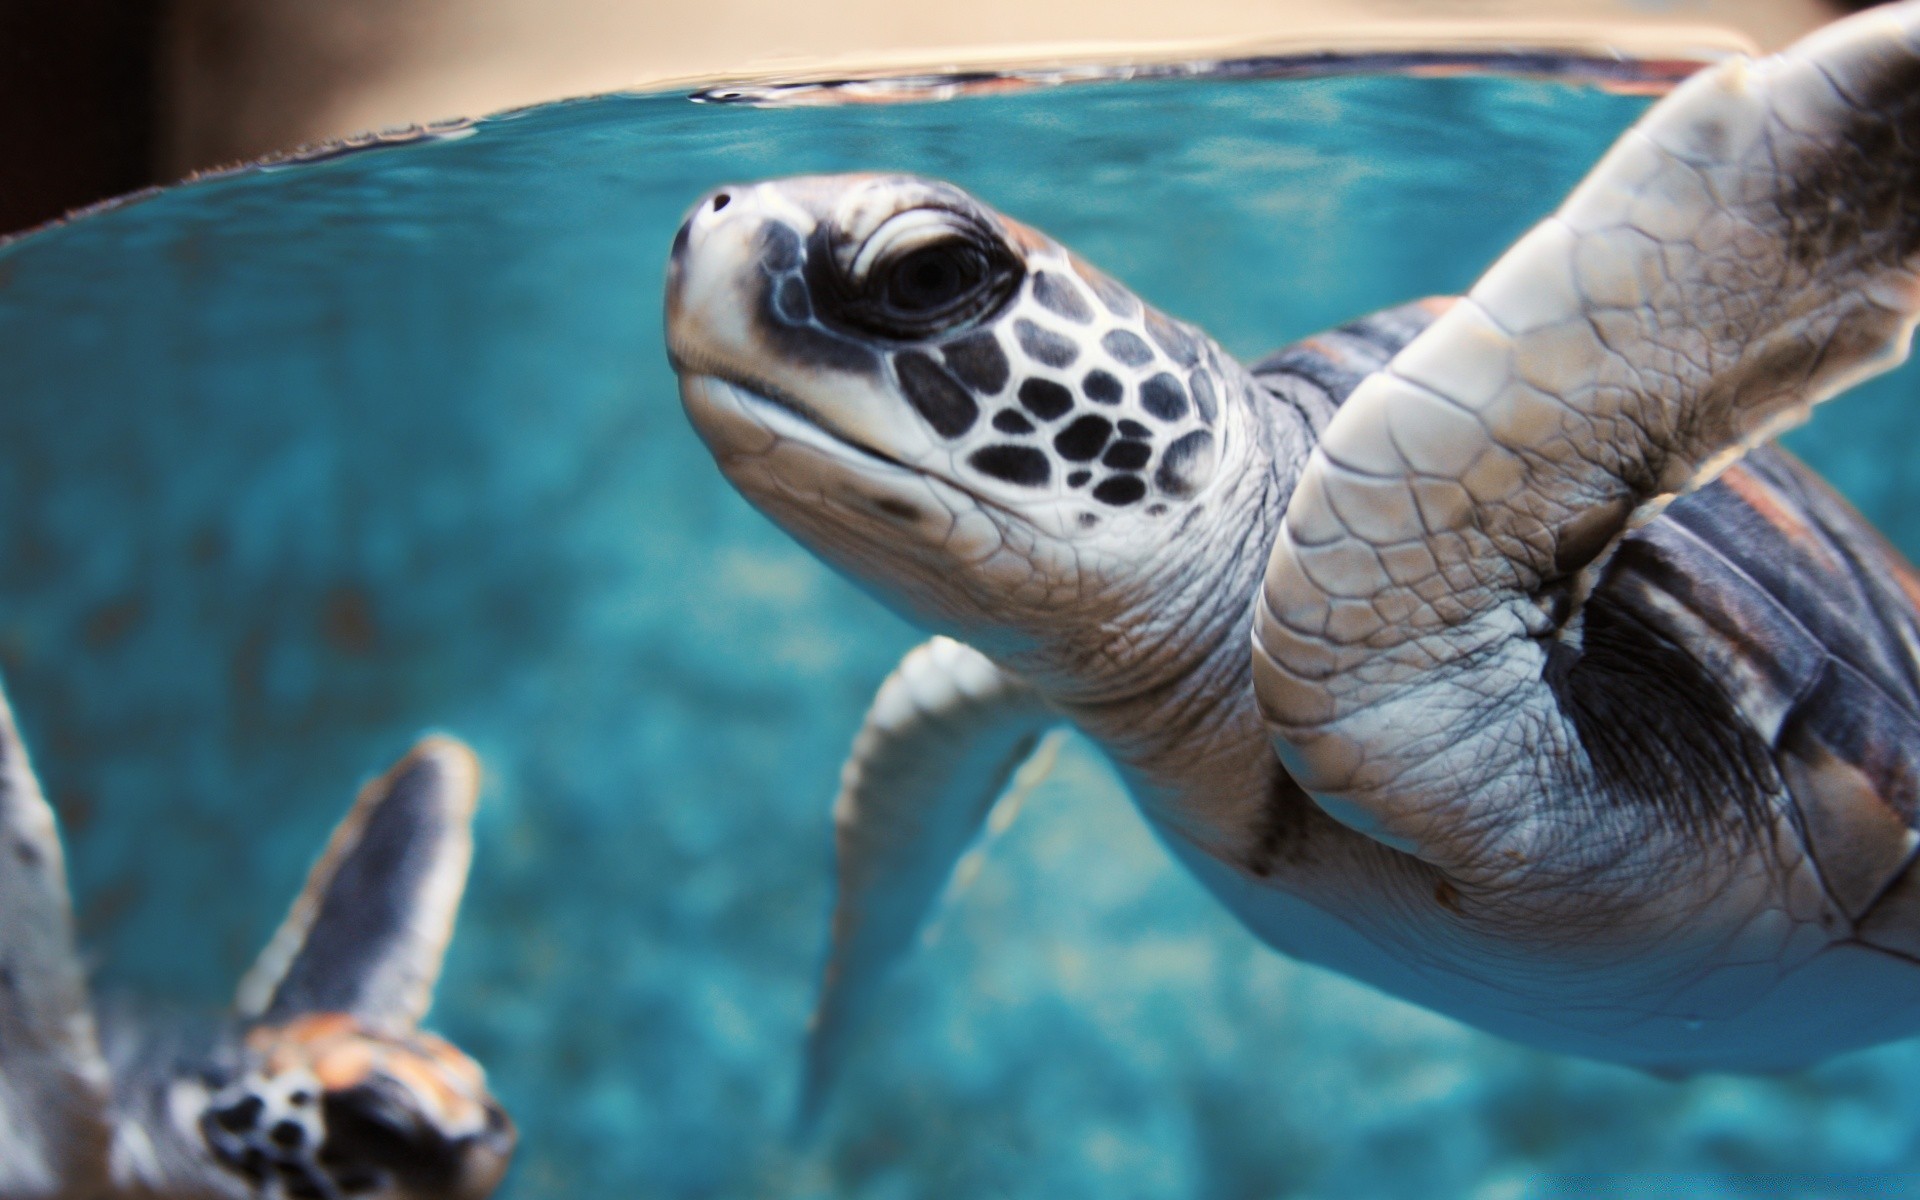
(297, 463)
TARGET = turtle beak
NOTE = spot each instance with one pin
(740, 310)
(705, 270)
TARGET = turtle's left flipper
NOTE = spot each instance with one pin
(368, 933)
(53, 1081)
(946, 733)
(1746, 251)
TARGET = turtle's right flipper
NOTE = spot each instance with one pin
(1746, 251)
(53, 1081)
(368, 933)
(945, 734)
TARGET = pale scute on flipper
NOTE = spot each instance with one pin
(944, 736)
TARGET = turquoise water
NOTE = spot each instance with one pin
(297, 463)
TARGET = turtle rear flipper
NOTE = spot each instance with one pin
(368, 933)
(1748, 250)
(54, 1084)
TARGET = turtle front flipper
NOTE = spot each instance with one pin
(54, 1084)
(367, 934)
(1747, 250)
(944, 736)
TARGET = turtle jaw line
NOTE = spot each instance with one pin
(754, 392)
(757, 391)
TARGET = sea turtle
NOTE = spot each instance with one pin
(1572, 709)
(320, 1085)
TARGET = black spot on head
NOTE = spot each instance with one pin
(304, 1187)
(1120, 490)
(935, 394)
(1057, 295)
(239, 1116)
(1128, 456)
(1130, 428)
(375, 1127)
(252, 1163)
(1127, 348)
(779, 246)
(1172, 337)
(1089, 520)
(1163, 397)
(1009, 421)
(1203, 398)
(1102, 388)
(1156, 510)
(1083, 440)
(1044, 345)
(1045, 399)
(287, 1134)
(1016, 464)
(791, 300)
(1079, 478)
(805, 343)
(1118, 300)
(978, 361)
(1187, 466)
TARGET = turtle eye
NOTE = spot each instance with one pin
(924, 272)
(932, 278)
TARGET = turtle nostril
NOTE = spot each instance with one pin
(721, 201)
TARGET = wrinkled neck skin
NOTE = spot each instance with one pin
(1156, 667)
(1161, 674)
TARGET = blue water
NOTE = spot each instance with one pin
(298, 463)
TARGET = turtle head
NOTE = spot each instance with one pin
(325, 1106)
(947, 405)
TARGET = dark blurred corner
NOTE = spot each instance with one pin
(79, 111)
(102, 97)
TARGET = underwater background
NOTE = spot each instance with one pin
(298, 462)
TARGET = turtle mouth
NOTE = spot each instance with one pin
(792, 417)
(750, 392)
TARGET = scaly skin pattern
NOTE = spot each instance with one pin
(1553, 720)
